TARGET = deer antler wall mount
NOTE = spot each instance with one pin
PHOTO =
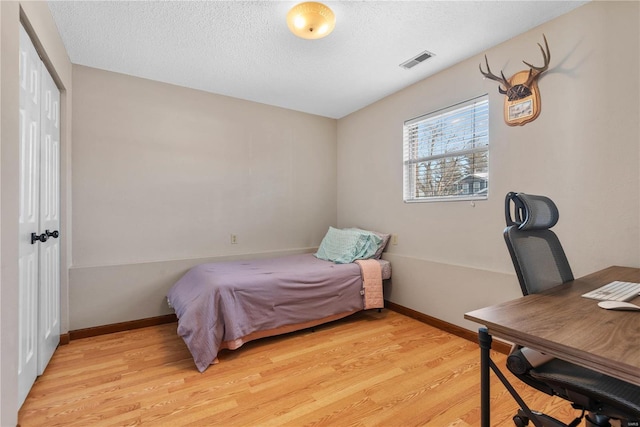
(522, 101)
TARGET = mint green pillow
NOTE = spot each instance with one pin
(343, 246)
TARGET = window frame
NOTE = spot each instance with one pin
(478, 137)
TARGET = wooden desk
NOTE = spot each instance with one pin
(561, 323)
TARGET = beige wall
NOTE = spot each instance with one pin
(583, 152)
(39, 24)
(163, 175)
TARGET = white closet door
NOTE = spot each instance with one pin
(49, 290)
(39, 218)
(28, 215)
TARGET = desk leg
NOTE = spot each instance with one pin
(486, 366)
(485, 346)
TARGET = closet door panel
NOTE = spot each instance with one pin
(49, 294)
(28, 215)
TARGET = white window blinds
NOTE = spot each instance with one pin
(446, 153)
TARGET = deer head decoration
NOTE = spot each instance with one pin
(522, 102)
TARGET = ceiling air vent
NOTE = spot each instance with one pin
(421, 57)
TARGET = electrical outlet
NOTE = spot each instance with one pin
(394, 239)
(234, 239)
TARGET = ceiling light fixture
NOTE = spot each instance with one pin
(311, 20)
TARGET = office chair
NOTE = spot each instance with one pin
(540, 263)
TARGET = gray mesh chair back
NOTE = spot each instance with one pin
(536, 252)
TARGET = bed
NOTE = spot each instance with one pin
(226, 304)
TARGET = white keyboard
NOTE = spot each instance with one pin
(615, 291)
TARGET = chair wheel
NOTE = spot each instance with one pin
(520, 421)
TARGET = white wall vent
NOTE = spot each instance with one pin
(421, 57)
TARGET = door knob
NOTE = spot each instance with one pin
(53, 233)
(38, 238)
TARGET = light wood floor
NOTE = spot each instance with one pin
(372, 369)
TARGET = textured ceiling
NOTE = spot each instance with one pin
(245, 50)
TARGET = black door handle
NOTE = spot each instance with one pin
(53, 233)
(38, 238)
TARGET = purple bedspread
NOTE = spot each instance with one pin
(225, 301)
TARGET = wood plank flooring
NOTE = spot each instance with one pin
(371, 369)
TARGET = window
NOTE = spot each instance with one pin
(446, 153)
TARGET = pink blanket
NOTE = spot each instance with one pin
(371, 283)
